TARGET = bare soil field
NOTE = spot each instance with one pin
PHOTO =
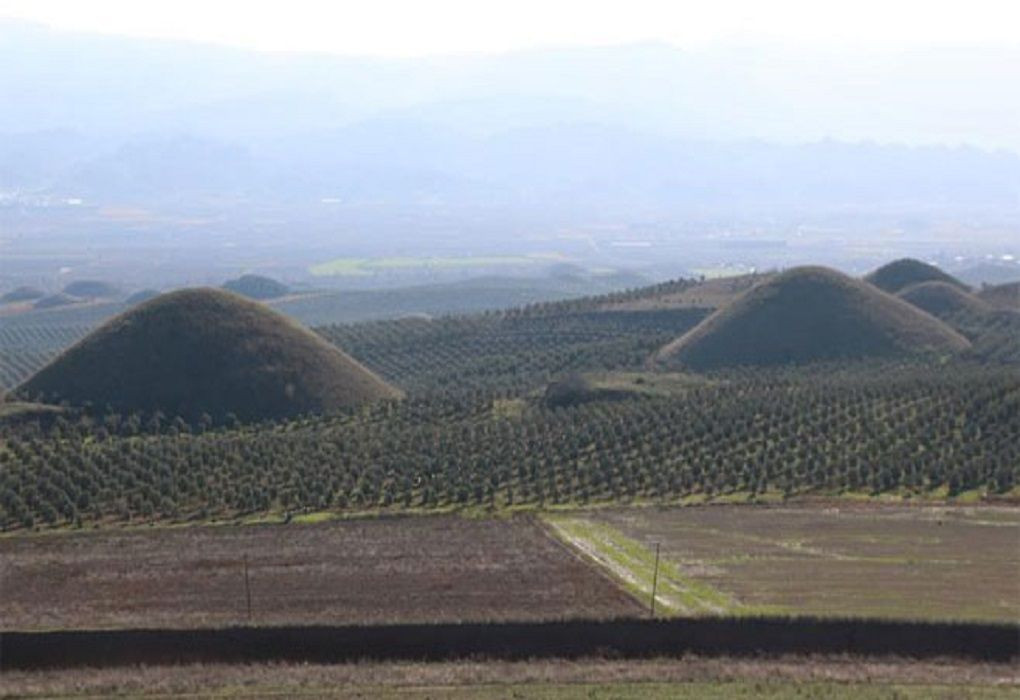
(426, 569)
(907, 562)
(690, 676)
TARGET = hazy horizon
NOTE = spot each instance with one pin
(682, 140)
(914, 79)
(401, 28)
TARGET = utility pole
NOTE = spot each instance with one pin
(247, 587)
(655, 579)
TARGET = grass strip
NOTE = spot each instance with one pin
(633, 564)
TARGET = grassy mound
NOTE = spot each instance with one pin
(577, 389)
(942, 299)
(55, 300)
(91, 289)
(22, 294)
(809, 314)
(209, 351)
(257, 287)
(905, 272)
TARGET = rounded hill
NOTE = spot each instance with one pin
(91, 289)
(257, 287)
(809, 314)
(22, 294)
(55, 300)
(902, 273)
(942, 299)
(198, 351)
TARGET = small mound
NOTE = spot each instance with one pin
(943, 300)
(91, 289)
(257, 287)
(1002, 296)
(571, 391)
(905, 272)
(577, 389)
(199, 351)
(19, 412)
(22, 294)
(809, 314)
(54, 301)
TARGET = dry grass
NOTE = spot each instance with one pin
(363, 678)
(362, 571)
(867, 560)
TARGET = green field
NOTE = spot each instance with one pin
(360, 267)
(910, 562)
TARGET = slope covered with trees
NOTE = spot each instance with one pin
(508, 352)
(1002, 296)
(476, 430)
(25, 349)
(869, 429)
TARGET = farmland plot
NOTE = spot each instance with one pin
(876, 561)
(359, 571)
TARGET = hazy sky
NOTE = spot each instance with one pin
(400, 27)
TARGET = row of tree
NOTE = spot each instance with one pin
(904, 430)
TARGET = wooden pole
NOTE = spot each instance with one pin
(655, 579)
(247, 587)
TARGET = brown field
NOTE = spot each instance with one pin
(867, 560)
(359, 571)
(690, 676)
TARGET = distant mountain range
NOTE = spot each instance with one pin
(119, 85)
(598, 167)
(643, 129)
